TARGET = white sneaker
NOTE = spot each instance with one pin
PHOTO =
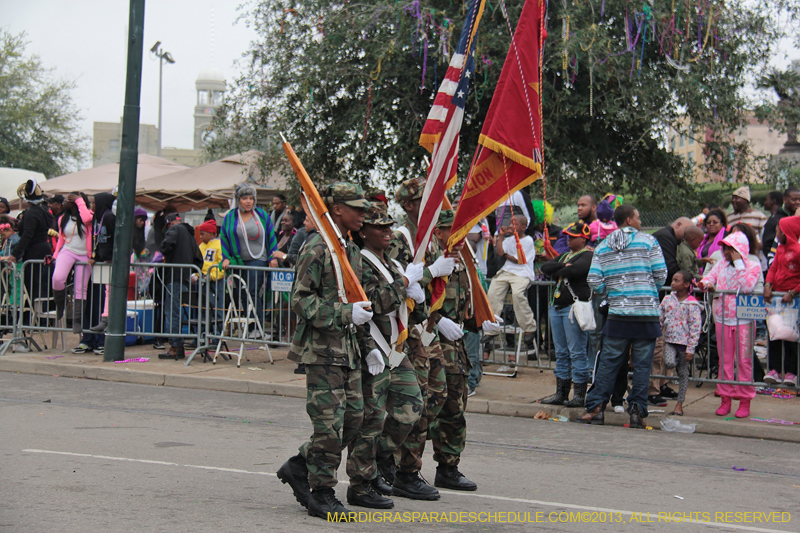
(471, 392)
(20, 348)
(619, 409)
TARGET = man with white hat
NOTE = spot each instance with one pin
(744, 213)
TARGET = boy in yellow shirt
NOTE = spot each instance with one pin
(211, 249)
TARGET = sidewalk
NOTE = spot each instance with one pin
(495, 395)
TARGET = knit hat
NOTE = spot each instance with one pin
(209, 226)
(410, 190)
(139, 212)
(605, 212)
(172, 217)
(244, 189)
(743, 193)
(578, 229)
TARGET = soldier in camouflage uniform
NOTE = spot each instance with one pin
(427, 360)
(448, 432)
(395, 389)
(330, 340)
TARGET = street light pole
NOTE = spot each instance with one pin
(162, 56)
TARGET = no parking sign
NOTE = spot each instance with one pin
(282, 281)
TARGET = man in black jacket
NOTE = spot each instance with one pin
(668, 238)
(180, 248)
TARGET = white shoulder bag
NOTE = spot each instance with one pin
(582, 312)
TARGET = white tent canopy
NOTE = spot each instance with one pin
(104, 178)
(207, 186)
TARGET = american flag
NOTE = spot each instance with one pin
(441, 131)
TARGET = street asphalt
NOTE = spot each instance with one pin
(83, 455)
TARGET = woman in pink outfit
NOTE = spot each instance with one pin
(734, 336)
(74, 245)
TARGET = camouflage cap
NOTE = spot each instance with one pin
(446, 217)
(345, 193)
(410, 190)
(378, 215)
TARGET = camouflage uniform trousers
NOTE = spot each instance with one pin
(361, 450)
(335, 405)
(449, 430)
(404, 407)
(429, 367)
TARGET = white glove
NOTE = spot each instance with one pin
(450, 329)
(413, 272)
(375, 363)
(415, 292)
(492, 328)
(360, 314)
(443, 266)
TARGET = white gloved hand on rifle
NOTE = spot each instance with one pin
(450, 329)
(492, 328)
(416, 293)
(375, 363)
(443, 266)
(413, 273)
(361, 315)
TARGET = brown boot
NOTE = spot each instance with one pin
(595, 416)
(174, 352)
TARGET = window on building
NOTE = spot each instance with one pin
(681, 143)
(691, 140)
(690, 158)
(217, 99)
(202, 98)
(673, 142)
(113, 145)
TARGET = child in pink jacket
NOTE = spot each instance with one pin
(734, 337)
(74, 245)
(681, 322)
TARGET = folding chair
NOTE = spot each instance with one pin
(236, 320)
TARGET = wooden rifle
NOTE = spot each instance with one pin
(350, 289)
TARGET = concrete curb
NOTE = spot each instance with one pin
(475, 405)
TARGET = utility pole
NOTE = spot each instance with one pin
(162, 56)
(126, 196)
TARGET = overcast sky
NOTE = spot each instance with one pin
(86, 41)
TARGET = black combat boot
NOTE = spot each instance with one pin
(448, 477)
(578, 395)
(368, 498)
(385, 478)
(323, 504)
(412, 486)
(561, 395)
(295, 473)
(60, 297)
(636, 417)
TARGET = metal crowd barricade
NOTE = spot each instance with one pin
(247, 305)
(711, 345)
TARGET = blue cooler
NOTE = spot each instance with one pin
(144, 312)
(131, 324)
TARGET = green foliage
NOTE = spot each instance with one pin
(344, 81)
(40, 124)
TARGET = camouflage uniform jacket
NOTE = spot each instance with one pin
(456, 307)
(325, 334)
(400, 251)
(385, 297)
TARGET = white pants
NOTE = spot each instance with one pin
(498, 288)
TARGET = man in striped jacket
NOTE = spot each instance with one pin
(628, 268)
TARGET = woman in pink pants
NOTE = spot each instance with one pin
(74, 245)
(734, 336)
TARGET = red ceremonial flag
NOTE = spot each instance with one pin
(510, 151)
